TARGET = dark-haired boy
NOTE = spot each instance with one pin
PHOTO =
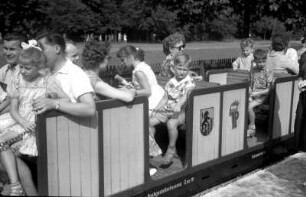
(259, 87)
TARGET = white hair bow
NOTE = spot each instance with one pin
(32, 43)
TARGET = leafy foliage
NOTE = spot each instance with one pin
(197, 19)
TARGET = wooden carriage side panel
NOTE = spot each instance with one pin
(233, 121)
(52, 160)
(282, 105)
(63, 156)
(85, 156)
(75, 166)
(72, 160)
(94, 151)
(295, 101)
(220, 78)
(123, 136)
(205, 142)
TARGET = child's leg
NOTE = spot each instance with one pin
(252, 105)
(8, 161)
(172, 125)
(152, 123)
(252, 128)
(26, 178)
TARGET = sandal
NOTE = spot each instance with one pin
(170, 154)
(251, 133)
(16, 189)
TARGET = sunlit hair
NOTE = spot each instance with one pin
(32, 56)
(182, 60)
(259, 55)
(171, 41)
(279, 42)
(246, 43)
(15, 36)
(130, 50)
(94, 53)
(53, 39)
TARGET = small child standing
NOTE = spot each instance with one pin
(173, 111)
(244, 61)
(29, 84)
(259, 87)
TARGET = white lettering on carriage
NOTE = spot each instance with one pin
(258, 154)
(171, 187)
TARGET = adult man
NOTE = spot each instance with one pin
(70, 77)
(74, 48)
(11, 50)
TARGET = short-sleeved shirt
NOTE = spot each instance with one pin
(278, 61)
(243, 63)
(260, 79)
(7, 74)
(73, 80)
(177, 89)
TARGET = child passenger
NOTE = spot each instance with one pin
(244, 61)
(30, 84)
(95, 58)
(259, 87)
(173, 111)
(145, 83)
(143, 78)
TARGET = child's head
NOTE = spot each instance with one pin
(260, 58)
(279, 42)
(95, 55)
(181, 66)
(31, 60)
(246, 46)
(128, 54)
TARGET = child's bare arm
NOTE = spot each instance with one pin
(5, 105)
(235, 64)
(26, 124)
(144, 83)
(183, 100)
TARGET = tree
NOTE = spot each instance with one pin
(67, 15)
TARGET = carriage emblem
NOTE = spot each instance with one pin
(234, 113)
(206, 123)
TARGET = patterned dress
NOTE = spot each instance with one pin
(11, 131)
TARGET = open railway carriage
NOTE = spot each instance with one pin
(107, 155)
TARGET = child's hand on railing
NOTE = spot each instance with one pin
(123, 82)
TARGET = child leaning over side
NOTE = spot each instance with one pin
(244, 61)
(30, 84)
(173, 111)
(259, 87)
